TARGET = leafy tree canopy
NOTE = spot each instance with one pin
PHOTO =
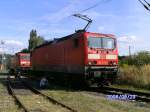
(25, 50)
(35, 40)
(141, 58)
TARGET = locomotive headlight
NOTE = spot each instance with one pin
(114, 63)
(23, 62)
(90, 63)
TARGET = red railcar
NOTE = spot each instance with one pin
(20, 62)
(91, 57)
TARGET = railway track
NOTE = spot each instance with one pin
(48, 97)
(36, 92)
(136, 95)
(123, 94)
(12, 93)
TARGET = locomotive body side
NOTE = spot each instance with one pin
(85, 56)
(65, 56)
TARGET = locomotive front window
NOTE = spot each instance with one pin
(26, 57)
(108, 43)
(94, 42)
(101, 42)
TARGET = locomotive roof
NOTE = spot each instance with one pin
(71, 36)
(21, 53)
(57, 40)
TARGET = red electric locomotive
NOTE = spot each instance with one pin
(81, 57)
(20, 63)
(84, 56)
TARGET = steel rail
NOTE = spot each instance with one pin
(128, 91)
(47, 97)
(11, 92)
(140, 96)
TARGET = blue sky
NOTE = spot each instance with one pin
(127, 19)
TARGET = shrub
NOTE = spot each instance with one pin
(141, 58)
(135, 76)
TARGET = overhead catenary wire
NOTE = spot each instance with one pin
(84, 17)
(90, 7)
(145, 4)
(93, 6)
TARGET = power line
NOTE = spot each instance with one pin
(84, 17)
(93, 6)
(145, 4)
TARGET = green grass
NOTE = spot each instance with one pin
(84, 102)
(38, 103)
(7, 103)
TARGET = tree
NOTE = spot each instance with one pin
(35, 40)
(25, 50)
(40, 40)
(32, 40)
(141, 58)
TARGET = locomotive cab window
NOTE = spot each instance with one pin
(25, 57)
(108, 43)
(101, 42)
(94, 42)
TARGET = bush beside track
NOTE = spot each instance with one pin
(134, 70)
(138, 77)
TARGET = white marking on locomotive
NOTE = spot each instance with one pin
(24, 62)
(111, 56)
(93, 56)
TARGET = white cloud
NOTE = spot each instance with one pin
(61, 14)
(134, 42)
(12, 46)
(14, 42)
(1, 50)
(127, 39)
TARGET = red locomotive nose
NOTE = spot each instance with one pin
(101, 50)
(25, 63)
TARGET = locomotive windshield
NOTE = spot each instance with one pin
(102, 42)
(25, 57)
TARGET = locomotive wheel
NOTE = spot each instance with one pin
(104, 83)
(88, 83)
